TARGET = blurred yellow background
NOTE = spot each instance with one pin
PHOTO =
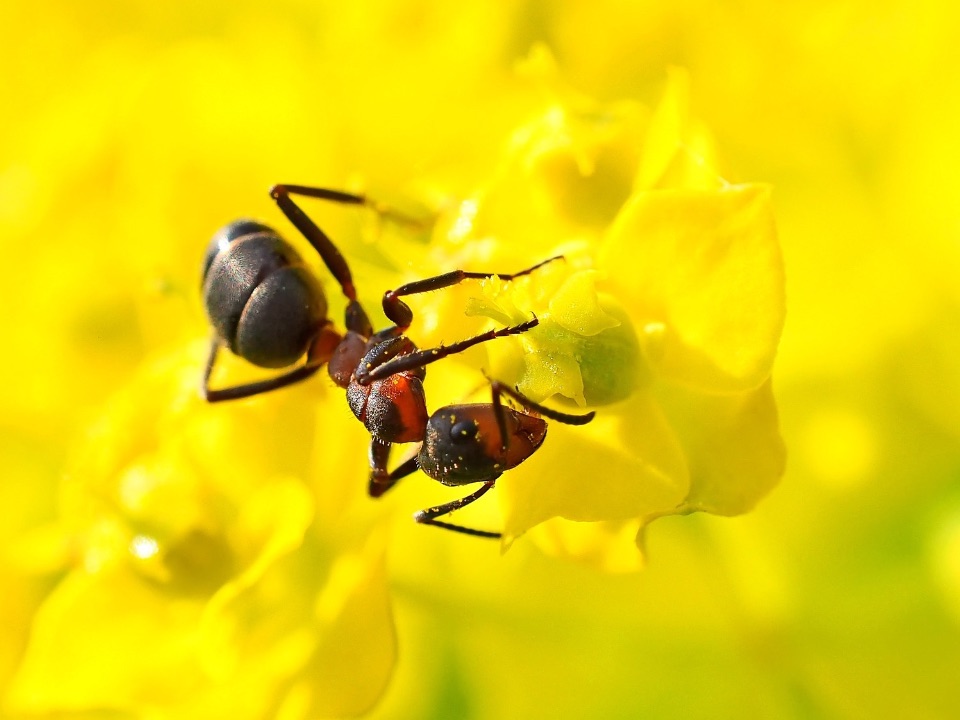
(132, 130)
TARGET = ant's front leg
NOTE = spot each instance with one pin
(421, 358)
(498, 388)
(381, 479)
(400, 313)
(430, 515)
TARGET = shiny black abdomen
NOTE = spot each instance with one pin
(260, 298)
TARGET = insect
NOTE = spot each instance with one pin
(474, 443)
(267, 307)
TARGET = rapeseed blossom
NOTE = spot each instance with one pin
(202, 577)
(161, 558)
(210, 575)
(665, 315)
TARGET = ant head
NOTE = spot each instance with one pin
(463, 443)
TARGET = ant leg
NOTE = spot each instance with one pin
(380, 479)
(318, 355)
(500, 388)
(249, 389)
(428, 516)
(356, 318)
(500, 415)
(346, 198)
(400, 313)
(329, 253)
(421, 358)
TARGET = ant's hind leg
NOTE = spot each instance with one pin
(430, 515)
(356, 318)
(246, 390)
(345, 198)
(318, 354)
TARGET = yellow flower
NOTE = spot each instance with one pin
(203, 571)
(203, 576)
(665, 316)
(136, 129)
(227, 557)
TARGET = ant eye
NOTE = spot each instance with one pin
(463, 431)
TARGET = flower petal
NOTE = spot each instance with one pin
(357, 648)
(677, 151)
(606, 546)
(575, 306)
(732, 444)
(708, 266)
(625, 464)
(273, 522)
(78, 660)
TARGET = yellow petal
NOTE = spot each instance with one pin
(107, 641)
(678, 151)
(576, 307)
(564, 175)
(626, 464)
(550, 367)
(357, 647)
(732, 444)
(607, 546)
(274, 520)
(708, 266)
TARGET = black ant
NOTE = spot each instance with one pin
(268, 308)
(475, 443)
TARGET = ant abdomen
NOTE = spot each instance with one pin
(260, 297)
(226, 235)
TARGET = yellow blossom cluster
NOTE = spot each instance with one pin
(163, 557)
(665, 315)
(228, 567)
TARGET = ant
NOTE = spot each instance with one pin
(474, 443)
(267, 307)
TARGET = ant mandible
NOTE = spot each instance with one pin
(267, 307)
